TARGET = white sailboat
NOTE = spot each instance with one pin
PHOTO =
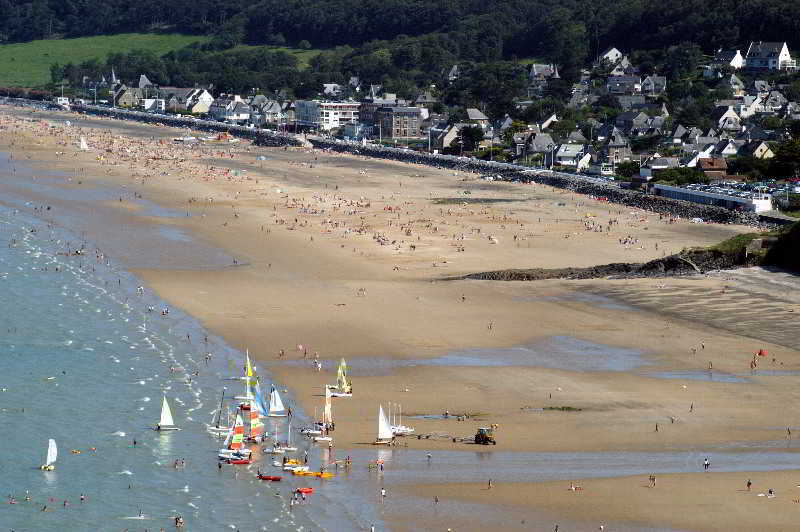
(276, 408)
(217, 428)
(166, 423)
(288, 447)
(52, 455)
(398, 429)
(327, 417)
(385, 435)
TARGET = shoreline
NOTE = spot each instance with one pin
(290, 290)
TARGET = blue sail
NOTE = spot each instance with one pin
(263, 409)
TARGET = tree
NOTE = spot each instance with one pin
(794, 129)
(681, 176)
(56, 73)
(564, 41)
(471, 136)
(516, 127)
(786, 162)
(627, 168)
(304, 45)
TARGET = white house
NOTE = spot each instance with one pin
(198, 101)
(729, 58)
(727, 119)
(573, 155)
(612, 55)
(769, 56)
(654, 85)
(266, 112)
(154, 105)
(230, 108)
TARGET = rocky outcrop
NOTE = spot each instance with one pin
(684, 263)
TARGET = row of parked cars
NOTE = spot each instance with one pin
(745, 190)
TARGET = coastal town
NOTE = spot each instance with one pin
(304, 266)
(616, 123)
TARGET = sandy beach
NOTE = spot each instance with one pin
(308, 254)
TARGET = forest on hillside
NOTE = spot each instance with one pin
(563, 31)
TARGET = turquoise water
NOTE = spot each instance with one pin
(85, 363)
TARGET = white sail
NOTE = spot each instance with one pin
(166, 414)
(327, 415)
(84, 146)
(275, 404)
(384, 429)
(229, 437)
(52, 452)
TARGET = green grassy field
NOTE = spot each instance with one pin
(28, 64)
(303, 56)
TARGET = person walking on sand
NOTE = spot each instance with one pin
(383, 493)
(706, 464)
(490, 485)
(749, 484)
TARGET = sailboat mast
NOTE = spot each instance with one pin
(219, 414)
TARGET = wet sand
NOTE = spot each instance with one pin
(323, 258)
(695, 501)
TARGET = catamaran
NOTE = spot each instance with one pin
(256, 425)
(234, 448)
(343, 388)
(250, 383)
(398, 429)
(327, 417)
(52, 454)
(288, 447)
(217, 429)
(385, 434)
(276, 408)
(166, 423)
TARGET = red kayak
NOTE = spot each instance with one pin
(271, 478)
(305, 490)
(240, 461)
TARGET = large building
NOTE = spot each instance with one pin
(370, 105)
(769, 56)
(399, 122)
(324, 114)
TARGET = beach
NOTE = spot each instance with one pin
(306, 255)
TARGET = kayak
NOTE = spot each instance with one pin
(305, 490)
(240, 461)
(271, 478)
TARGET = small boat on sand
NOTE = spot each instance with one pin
(385, 434)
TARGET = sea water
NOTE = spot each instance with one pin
(84, 362)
